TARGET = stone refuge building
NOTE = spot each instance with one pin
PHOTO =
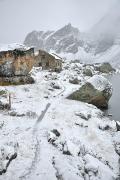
(16, 61)
(48, 61)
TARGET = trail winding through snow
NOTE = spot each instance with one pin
(37, 145)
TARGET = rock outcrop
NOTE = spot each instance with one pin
(97, 91)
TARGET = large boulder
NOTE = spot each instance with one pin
(105, 68)
(97, 91)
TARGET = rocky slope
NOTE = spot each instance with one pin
(55, 138)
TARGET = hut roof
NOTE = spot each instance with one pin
(12, 47)
(56, 56)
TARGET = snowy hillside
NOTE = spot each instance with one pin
(56, 138)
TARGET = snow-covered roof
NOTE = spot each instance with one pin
(56, 56)
(8, 47)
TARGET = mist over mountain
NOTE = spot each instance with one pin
(109, 25)
(103, 38)
(107, 31)
(67, 39)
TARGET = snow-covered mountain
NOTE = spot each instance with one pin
(68, 39)
(101, 43)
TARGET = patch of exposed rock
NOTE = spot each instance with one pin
(16, 80)
(97, 91)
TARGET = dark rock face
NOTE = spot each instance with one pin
(87, 93)
(105, 68)
(16, 80)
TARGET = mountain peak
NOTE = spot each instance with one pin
(64, 39)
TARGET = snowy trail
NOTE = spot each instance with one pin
(36, 138)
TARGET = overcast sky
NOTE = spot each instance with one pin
(19, 17)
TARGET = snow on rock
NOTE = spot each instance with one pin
(97, 170)
(100, 83)
(96, 90)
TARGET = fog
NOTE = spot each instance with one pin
(110, 23)
(19, 17)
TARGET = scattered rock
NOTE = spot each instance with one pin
(52, 137)
(31, 114)
(96, 91)
(55, 85)
(4, 106)
(117, 148)
(118, 126)
(56, 132)
(74, 81)
(83, 115)
(104, 127)
(14, 113)
(7, 154)
(46, 97)
(67, 153)
(87, 72)
(82, 125)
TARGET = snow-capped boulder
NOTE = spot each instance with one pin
(97, 91)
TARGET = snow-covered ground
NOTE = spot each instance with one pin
(56, 138)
